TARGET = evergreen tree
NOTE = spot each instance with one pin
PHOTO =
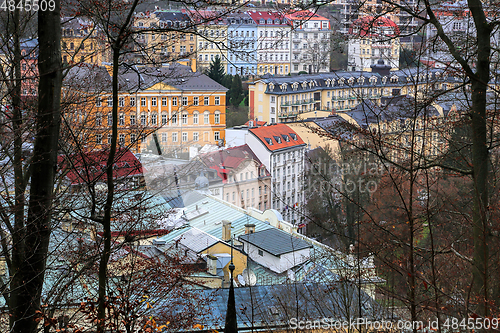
(216, 71)
(236, 91)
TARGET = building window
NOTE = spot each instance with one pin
(121, 101)
(174, 101)
(217, 118)
(132, 119)
(184, 136)
(143, 119)
(121, 119)
(132, 101)
(217, 135)
(174, 119)
(217, 100)
(153, 101)
(163, 101)
(205, 100)
(121, 139)
(184, 119)
(174, 137)
(261, 253)
(164, 137)
(206, 118)
(110, 119)
(154, 117)
(196, 100)
(184, 101)
(98, 139)
(195, 118)
(110, 101)
(143, 101)
(164, 119)
(133, 138)
(195, 136)
(98, 119)
(98, 101)
(109, 139)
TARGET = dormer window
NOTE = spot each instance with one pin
(271, 86)
(276, 21)
(350, 81)
(304, 85)
(261, 21)
(394, 79)
(285, 137)
(269, 21)
(278, 139)
(373, 80)
(384, 80)
(293, 136)
(269, 141)
(341, 81)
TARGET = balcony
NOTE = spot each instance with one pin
(288, 114)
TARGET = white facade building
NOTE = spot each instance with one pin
(282, 151)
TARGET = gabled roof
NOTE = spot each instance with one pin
(275, 241)
(90, 167)
(196, 240)
(277, 137)
(227, 160)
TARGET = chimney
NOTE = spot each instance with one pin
(212, 264)
(249, 228)
(226, 230)
(250, 123)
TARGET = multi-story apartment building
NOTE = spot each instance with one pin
(282, 99)
(310, 42)
(242, 42)
(212, 37)
(282, 151)
(167, 36)
(246, 181)
(82, 41)
(169, 108)
(373, 39)
(273, 44)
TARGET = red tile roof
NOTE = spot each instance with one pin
(256, 123)
(367, 25)
(305, 15)
(276, 137)
(225, 161)
(258, 15)
(91, 166)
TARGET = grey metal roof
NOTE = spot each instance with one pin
(211, 222)
(134, 78)
(197, 240)
(275, 241)
(272, 306)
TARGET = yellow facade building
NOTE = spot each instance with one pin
(167, 108)
(81, 41)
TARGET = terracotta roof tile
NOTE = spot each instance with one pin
(276, 137)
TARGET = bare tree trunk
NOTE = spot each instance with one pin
(28, 279)
(480, 157)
